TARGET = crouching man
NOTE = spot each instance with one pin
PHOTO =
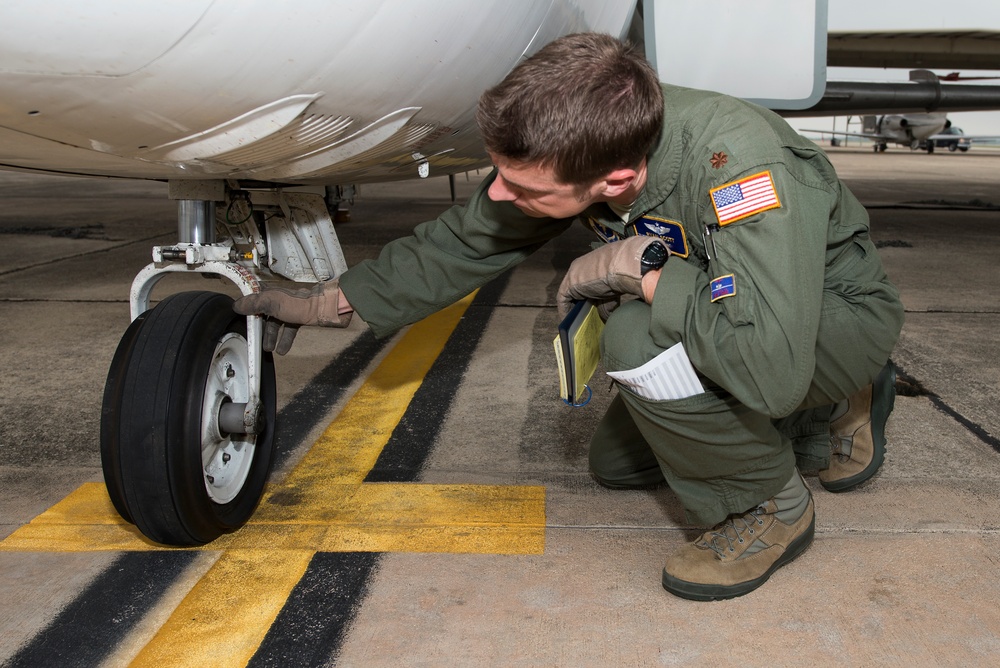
(763, 270)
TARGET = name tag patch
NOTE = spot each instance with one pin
(670, 231)
(744, 198)
(723, 286)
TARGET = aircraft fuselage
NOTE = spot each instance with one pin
(306, 92)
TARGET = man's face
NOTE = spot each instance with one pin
(535, 190)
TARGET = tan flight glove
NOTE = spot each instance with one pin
(287, 309)
(605, 274)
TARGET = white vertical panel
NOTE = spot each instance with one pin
(772, 52)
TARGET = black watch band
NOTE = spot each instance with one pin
(654, 257)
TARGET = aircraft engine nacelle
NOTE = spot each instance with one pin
(894, 124)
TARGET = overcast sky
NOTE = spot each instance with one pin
(912, 15)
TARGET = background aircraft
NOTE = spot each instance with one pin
(906, 129)
(261, 116)
(918, 130)
(913, 130)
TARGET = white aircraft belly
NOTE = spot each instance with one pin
(318, 92)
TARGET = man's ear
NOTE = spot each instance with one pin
(618, 181)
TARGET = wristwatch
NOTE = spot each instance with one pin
(654, 257)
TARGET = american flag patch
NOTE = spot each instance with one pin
(723, 286)
(737, 200)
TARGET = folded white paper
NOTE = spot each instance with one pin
(667, 376)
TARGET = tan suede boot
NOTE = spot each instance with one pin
(741, 553)
(857, 438)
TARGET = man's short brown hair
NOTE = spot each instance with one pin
(585, 105)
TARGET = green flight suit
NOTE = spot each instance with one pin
(807, 319)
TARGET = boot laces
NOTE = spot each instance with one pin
(841, 445)
(724, 538)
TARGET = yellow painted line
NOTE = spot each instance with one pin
(410, 517)
(377, 517)
(224, 618)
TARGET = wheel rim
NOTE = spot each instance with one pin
(226, 458)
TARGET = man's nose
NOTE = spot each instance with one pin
(500, 192)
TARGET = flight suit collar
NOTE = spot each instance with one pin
(663, 164)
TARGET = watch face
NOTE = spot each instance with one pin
(654, 257)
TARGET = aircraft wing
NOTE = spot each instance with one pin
(953, 49)
(971, 138)
(874, 137)
(843, 98)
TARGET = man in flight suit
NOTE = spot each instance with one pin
(770, 281)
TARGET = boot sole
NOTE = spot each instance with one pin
(696, 591)
(623, 486)
(883, 401)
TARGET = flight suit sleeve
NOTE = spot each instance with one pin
(444, 260)
(759, 341)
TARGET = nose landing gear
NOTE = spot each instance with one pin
(188, 419)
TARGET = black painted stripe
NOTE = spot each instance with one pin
(90, 628)
(976, 429)
(907, 385)
(311, 404)
(407, 449)
(310, 629)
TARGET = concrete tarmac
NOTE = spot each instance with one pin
(473, 535)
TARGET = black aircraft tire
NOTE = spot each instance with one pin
(171, 379)
(109, 419)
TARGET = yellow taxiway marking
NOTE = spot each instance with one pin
(370, 517)
(223, 619)
(322, 505)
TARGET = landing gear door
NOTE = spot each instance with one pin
(771, 52)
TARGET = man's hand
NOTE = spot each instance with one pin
(649, 280)
(606, 273)
(322, 305)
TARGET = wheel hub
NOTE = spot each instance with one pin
(227, 449)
